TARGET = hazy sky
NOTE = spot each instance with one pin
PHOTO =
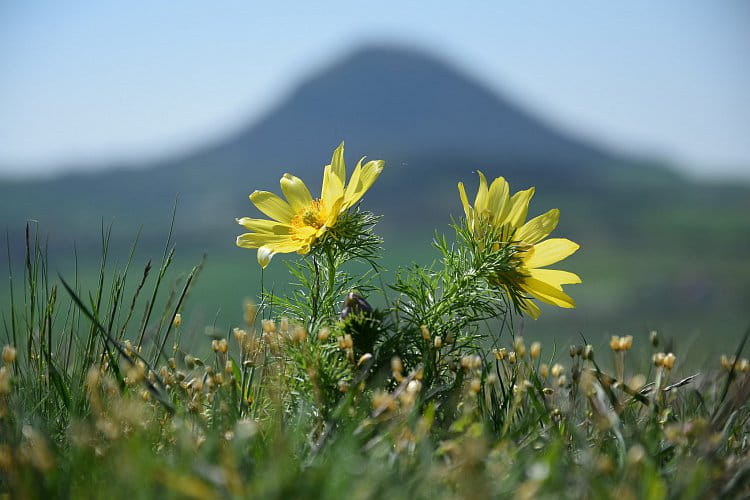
(82, 83)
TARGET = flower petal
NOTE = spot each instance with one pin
(555, 277)
(333, 188)
(338, 167)
(256, 240)
(334, 212)
(547, 293)
(362, 181)
(480, 202)
(468, 211)
(550, 251)
(531, 308)
(519, 208)
(296, 192)
(539, 227)
(272, 205)
(264, 226)
(497, 202)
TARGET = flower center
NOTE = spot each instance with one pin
(311, 216)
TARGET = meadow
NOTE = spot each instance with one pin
(350, 381)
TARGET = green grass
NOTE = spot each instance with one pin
(280, 409)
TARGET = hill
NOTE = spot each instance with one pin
(652, 240)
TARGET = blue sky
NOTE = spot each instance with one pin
(90, 82)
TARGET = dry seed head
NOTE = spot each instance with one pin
(269, 326)
(636, 455)
(382, 399)
(543, 370)
(172, 363)
(512, 357)
(215, 345)
(9, 354)
(476, 385)
(343, 386)
(669, 360)
(626, 342)
(425, 332)
(562, 381)
(637, 381)
(520, 347)
(348, 341)
(228, 368)
(500, 353)
(572, 350)
(492, 379)
(284, 326)
(414, 386)
(299, 334)
(324, 333)
(438, 342)
(146, 395)
(557, 370)
(465, 362)
(476, 362)
(189, 362)
(658, 359)
(614, 343)
(240, 335)
(743, 365)
(727, 362)
(396, 365)
(536, 350)
(177, 321)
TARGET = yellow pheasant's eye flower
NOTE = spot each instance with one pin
(497, 213)
(298, 222)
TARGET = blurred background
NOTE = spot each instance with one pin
(633, 119)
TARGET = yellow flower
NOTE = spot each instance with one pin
(300, 220)
(496, 210)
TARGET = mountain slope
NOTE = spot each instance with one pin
(654, 245)
(427, 120)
